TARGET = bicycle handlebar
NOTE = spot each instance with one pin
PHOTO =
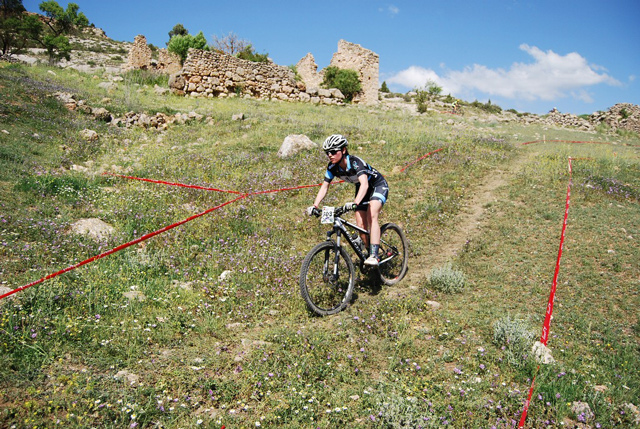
(337, 211)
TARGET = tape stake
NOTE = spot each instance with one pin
(523, 417)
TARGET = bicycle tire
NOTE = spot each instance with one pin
(323, 294)
(393, 244)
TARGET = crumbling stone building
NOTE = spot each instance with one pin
(216, 74)
(140, 57)
(349, 56)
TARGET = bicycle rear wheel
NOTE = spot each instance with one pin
(393, 254)
(327, 278)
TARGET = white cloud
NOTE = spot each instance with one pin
(391, 9)
(414, 77)
(550, 76)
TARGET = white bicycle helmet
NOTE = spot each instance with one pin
(335, 141)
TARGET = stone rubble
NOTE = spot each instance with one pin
(622, 116)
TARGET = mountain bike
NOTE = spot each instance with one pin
(327, 276)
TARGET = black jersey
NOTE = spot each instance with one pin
(356, 167)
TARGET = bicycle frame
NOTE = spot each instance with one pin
(339, 229)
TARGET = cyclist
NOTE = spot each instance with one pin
(372, 190)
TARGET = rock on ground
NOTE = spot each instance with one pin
(295, 143)
(94, 228)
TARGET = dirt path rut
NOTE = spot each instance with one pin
(468, 223)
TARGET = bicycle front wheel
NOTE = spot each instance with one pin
(327, 278)
(393, 254)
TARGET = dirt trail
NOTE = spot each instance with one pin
(468, 223)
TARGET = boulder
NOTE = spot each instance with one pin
(4, 289)
(102, 114)
(542, 353)
(89, 135)
(295, 143)
(177, 83)
(94, 228)
(109, 86)
(160, 90)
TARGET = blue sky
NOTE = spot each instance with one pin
(578, 56)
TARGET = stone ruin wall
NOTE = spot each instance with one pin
(140, 57)
(215, 74)
(308, 71)
(218, 74)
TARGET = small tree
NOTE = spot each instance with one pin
(16, 28)
(63, 21)
(422, 97)
(57, 47)
(180, 45)
(346, 80)
(433, 88)
(177, 30)
(248, 53)
(230, 44)
(384, 87)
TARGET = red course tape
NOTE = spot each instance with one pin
(160, 231)
(171, 183)
(546, 327)
(420, 159)
(122, 246)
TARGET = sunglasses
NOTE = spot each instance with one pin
(332, 151)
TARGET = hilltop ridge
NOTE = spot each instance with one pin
(95, 53)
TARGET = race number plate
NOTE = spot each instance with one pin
(327, 215)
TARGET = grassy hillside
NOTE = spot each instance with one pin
(155, 335)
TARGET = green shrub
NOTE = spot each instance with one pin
(294, 69)
(446, 279)
(433, 88)
(180, 45)
(487, 107)
(68, 187)
(249, 54)
(515, 337)
(625, 113)
(449, 99)
(346, 80)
